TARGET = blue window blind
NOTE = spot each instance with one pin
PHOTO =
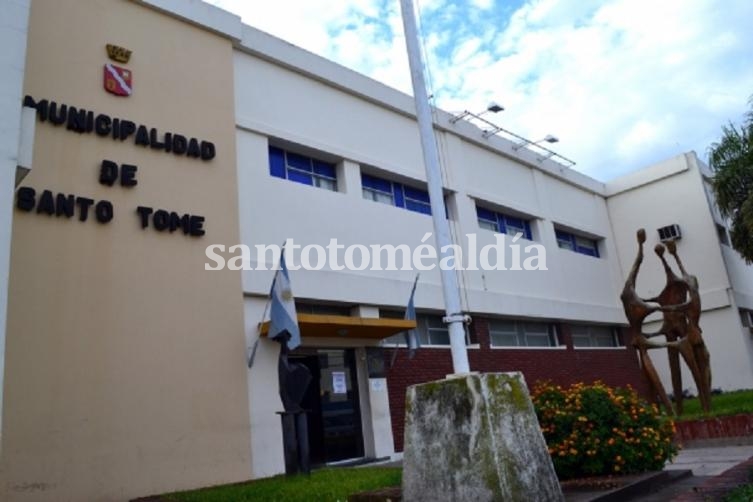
(302, 169)
(503, 223)
(582, 245)
(416, 200)
(395, 194)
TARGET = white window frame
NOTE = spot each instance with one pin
(377, 195)
(325, 182)
(592, 336)
(521, 335)
(488, 225)
(424, 334)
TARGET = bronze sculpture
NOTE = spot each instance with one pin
(680, 304)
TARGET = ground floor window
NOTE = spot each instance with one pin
(585, 335)
(511, 333)
(430, 328)
(303, 307)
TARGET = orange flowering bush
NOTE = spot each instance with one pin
(595, 430)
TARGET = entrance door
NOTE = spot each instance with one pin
(334, 417)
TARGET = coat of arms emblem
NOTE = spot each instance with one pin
(118, 80)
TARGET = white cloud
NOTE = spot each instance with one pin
(482, 4)
(622, 83)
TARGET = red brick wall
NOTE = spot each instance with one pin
(618, 367)
(712, 428)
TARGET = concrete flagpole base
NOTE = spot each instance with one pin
(475, 437)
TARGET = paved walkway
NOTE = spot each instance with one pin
(711, 461)
(705, 462)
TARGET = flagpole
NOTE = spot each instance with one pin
(454, 316)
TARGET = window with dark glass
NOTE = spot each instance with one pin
(302, 169)
(395, 194)
(503, 223)
(577, 243)
(721, 231)
(746, 317)
(302, 307)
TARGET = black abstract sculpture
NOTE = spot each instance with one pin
(294, 379)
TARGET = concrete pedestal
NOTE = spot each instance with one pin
(475, 438)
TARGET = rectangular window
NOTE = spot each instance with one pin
(302, 169)
(430, 328)
(594, 336)
(431, 331)
(395, 194)
(722, 233)
(746, 318)
(503, 223)
(321, 309)
(522, 334)
(577, 243)
(377, 190)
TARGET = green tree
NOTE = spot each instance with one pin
(731, 158)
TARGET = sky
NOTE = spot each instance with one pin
(622, 83)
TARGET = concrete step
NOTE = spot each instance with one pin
(632, 487)
(660, 489)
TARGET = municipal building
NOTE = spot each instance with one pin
(135, 134)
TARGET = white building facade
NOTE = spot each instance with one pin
(302, 108)
(366, 134)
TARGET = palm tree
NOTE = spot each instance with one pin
(731, 158)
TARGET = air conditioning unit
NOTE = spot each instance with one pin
(670, 233)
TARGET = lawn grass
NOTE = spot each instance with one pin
(742, 493)
(325, 485)
(728, 403)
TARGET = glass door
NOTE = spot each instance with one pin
(340, 412)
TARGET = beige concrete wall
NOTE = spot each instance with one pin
(125, 369)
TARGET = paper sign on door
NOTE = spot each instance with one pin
(338, 383)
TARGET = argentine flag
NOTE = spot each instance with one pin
(283, 318)
(411, 337)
